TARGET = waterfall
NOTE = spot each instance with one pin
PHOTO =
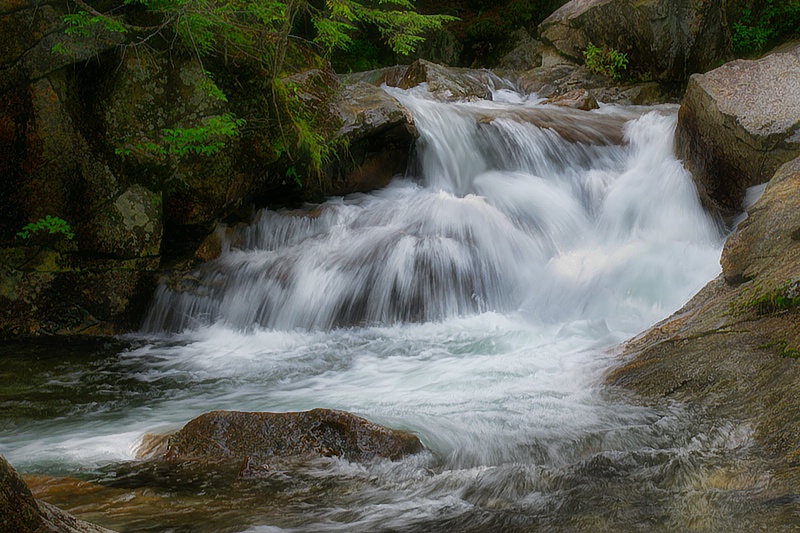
(472, 302)
(558, 213)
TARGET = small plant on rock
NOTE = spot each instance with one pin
(48, 225)
(606, 61)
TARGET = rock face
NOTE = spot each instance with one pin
(734, 347)
(666, 40)
(738, 124)
(20, 512)
(261, 437)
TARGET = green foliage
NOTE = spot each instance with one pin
(765, 23)
(82, 23)
(263, 32)
(206, 139)
(606, 61)
(360, 55)
(49, 225)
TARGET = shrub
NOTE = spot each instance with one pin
(606, 61)
(48, 225)
(765, 24)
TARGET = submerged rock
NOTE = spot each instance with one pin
(20, 512)
(738, 124)
(259, 438)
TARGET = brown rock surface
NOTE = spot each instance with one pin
(738, 124)
(734, 347)
(450, 83)
(20, 512)
(260, 437)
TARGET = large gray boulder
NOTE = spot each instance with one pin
(665, 40)
(738, 124)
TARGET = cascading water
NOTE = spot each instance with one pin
(471, 302)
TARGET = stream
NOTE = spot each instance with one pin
(477, 301)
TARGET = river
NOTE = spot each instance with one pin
(476, 301)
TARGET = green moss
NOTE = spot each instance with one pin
(783, 348)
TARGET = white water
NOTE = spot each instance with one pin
(472, 303)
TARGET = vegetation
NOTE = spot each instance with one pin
(765, 23)
(785, 298)
(48, 225)
(265, 33)
(606, 61)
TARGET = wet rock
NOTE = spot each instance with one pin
(391, 76)
(738, 124)
(733, 348)
(577, 99)
(261, 437)
(20, 512)
(49, 293)
(449, 83)
(666, 40)
(380, 133)
(572, 125)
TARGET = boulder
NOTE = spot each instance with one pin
(262, 437)
(738, 124)
(734, 348)
(20, 512)
(449, 83)
(577, 99)
(526, 54)
(380, 133)
(129, 227)
(666, 40)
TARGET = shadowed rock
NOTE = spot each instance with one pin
(20, 512)
(262, 437)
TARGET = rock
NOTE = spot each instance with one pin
(666, 40)
(440, 46)
(380, 133)
(49, 293)
(731, 350)
(767, 243)
(130, 227)
(577, 99)
(450, 84)
(31, 29)
(262, 437)
(738, 124)
(20, 512)
(526, 54)
(391, 76)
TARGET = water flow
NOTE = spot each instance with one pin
(470, 302)
(504, 215)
